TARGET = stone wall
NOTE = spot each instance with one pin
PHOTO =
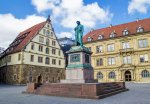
(21, 74)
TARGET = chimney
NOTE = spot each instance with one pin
(110, 25)
(92, 29)
(137, 20)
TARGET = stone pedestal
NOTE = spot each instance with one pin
(79, 90)
(79, 76)
(79, 69)
(79, 80)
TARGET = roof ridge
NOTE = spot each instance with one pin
(130, 26)
(32, 32)
(121, 24)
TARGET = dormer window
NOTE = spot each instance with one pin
(140, 29)
(100, 37)
(112, 35)
(125, 32)
(89, 39)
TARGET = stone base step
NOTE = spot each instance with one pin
(78, 90)
(112, 93)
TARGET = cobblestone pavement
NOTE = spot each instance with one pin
(138, 94)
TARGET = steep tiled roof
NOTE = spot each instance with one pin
(118, 29)
(23, 38)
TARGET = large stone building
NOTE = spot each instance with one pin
(35, 55)
(121, 52)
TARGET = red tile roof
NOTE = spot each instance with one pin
(23, 38)
(118, 29)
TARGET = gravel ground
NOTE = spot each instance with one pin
(138, 94)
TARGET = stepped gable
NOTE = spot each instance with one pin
(118, 29)
(23, 38)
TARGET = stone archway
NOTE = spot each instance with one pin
(40, 79)
(128, 76)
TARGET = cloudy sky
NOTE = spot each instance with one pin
(18, 15)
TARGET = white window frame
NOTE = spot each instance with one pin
(41, 39)
(125, 32)
(99, 49)
(145, 58)
(111, 47)
(100, 37)
(89, 39)
(140, 29)
(99, 75)
(112, 35)
(125, 45)
(127, 60)
(143, 43)
(111, 60)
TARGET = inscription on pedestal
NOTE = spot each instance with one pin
(75, 58)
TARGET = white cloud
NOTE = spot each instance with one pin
(10, 27)
(42, 5)
(65, 34)
(138, 6)
(67, 12)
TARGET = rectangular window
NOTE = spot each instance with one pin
(32, 58)
(54, 51)
(127, 60)
(144, 58)
(53, 43)
(54, 61)
(47, 60)
(32, 46)
(99, 49)
(47, 41)
(40, 59)
(41, 39)
(111, 61)
(110, 47)
(99, 62)
(143, 43)
(125, 45)
(59, 62)
(40, 48)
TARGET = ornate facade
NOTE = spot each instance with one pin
(34, 56)
(121, 52)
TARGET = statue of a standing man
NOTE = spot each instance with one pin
(79, 29)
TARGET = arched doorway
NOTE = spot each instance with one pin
(40, 79)
(128, 76)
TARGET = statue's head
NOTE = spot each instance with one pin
(78, 22)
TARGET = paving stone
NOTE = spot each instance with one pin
(138, 94)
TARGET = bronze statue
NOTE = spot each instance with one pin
(79, 29)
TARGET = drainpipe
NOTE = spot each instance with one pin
(6, 68)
